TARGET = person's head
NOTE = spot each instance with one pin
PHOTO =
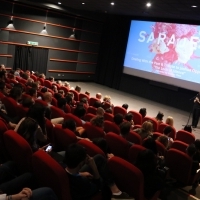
(97, 104)
(27, 102)
(150, 144)
(42, 76)
(188, 128)
(47, 97)
(197, 144)
(159, 116)
(57, 96)
(191, 150)
(100, 111)
(97, 121)
(61, 92)
(125, 128)
(54, 88)
(118, 119)
(129, 117)
(79, 111)
(101, 143)
(167, 130)
(36, 85)
(2, 86)
(43, 90)
(109, 110)
(2, 67)
(125, 105)
(107, 99)
(68, 99)
(88, 93)
(24, 76)
(32, 92)
(16, 93)
(3, 75)
(70, 94)
(59, 82)
(147, 126)
(51, 79)
(163, 139)
(75, 156)
(169, 121)
(143, 112)
(98, 96)
(28, 73)
(84, 100)
(61, 102)
(70, 124)
(78, 88)
(29, 82)
(66, 84)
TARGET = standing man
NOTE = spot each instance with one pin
(196, 111)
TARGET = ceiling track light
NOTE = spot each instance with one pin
(10, 22)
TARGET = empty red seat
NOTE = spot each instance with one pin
(92, 101)
(119, 110)
(185, 136)
(48, 84)
(108, 117)
(181, 146)
(111, 127)
(92, 110)
(134, 138)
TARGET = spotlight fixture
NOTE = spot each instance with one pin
(44, 31)
(112, 3)
(73, 35)
(59, 3)
(194, 6)
(83, 3)
(10, 24)
(148, 4)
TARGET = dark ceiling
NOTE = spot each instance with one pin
(166, 9)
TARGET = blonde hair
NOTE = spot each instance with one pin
(107, 98)
(169, 121)
(163, 140)
(147, 126)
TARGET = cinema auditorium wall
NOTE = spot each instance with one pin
(68, 59)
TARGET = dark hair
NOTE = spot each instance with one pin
(188, 128)
(78, 88)
(118, 119)
(84, 100)
(61, 102)
(97, 121)
(3, 74)
(70, 124)
(167, 130)
(197, 144)
(57, 96)
(97, 104)
(27, 102)
(32, 91)
(129, 117)
(15, 93)
(109, 110)
(74, 155)
(44, 89)
(125, 128)
(24, 76)
(160, 116)
(2, 85)
(101, 143)
(125, 105)
(150, 144)
(191, 149)
(68, 99)
(79, 111)
(51, 78)
(143, 112)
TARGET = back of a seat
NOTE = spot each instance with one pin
(76, 94)
(161, 148)
(49, 173)
(19, 150)
(41, 81)
(108, 117)
(156, 135)
(181, 146)
(134, 138)
(22, 111)
(75, 118)
(92, 101)
(137, 117)
(119, 110)
(11, 106)
(153, 121)
(127, 177)
(161, 128)
(92, 110)
(111, 127)
(134, 151)
(88, 117)
(180, 165)
(118, 145)
(185, 136)
(91, 148)
(56, 112)
(65, 89)
(82, 95)
(48, 84)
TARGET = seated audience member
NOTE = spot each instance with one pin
(29, 82)
(42, 76)
(69, 100)
(71, 125)
(163, 139)
(125, 105)
(146, 130)
(109, 110)
(80, 111)
(47, 97)
(2, 67)
(197, 154)
(167, 130)
(159, 117)
(85, 174)
(129, 118)
(191, 151)
(62, 104)
(107, 101)
(99, 96)
(24, 76)
(100, 111)
(98, 121)
(153, 182)
(85, 103)
(125, 128)
(61, 92)
(51, 79)
(43, 90)
(3, 88)
(118, 119)
(97, 104)
(78, 88)
(143, 112)
(57, 96)
(16, 94)
(59, 82)
(3, 75)
(54, 88)
(36, 85)
(70, 94)
(170, 121)
(88, 93)
(188, 128)
(33, 93)
(67, 85)
(28, 102)
(36, 73)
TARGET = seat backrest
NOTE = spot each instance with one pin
(111, 127)
(82, 95)
(11, 106)
(156, 135)
(161, 127)
(76, 94)
(134, 137)
(93, 131)
(185, 136)
(56, 112)
(92, 110)
(173, 133)
(88, 117)
(23, 81)
(54, 101)
(127, 177)
(120, 110)
(41, 102)
(33, 77)
(137, 117)
(134, 151)
(181, 146)
(92, 101)
(63, 138)
(180, 165)
(48, 84)
(41, 81)
(118, 145)
(161, 148)
(154, 122)
(19, 150)
(91, 148)
(22, 111)
(108, 117)
(49, 173)
(75, 118)
(65, 89)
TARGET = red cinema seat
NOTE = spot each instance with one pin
(75, 118)
(92, 101)
(41, 80)
(76, 94)
(56, 112)
(185, 136)
(181, 146)
(111, 127)
(108, 117)
(11, 106)
(154, 122)
(48, 84)
(134, 151)
(137, 117)
(119, 110)
(82, 95)
(134, 138)
(92, 110)
(65, 89)
(88, 117)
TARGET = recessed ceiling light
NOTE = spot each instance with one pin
(112, 3)
(194, 6)
(83, 3)
(148, 4)
(59, 3)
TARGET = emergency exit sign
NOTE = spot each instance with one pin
(32, 43)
